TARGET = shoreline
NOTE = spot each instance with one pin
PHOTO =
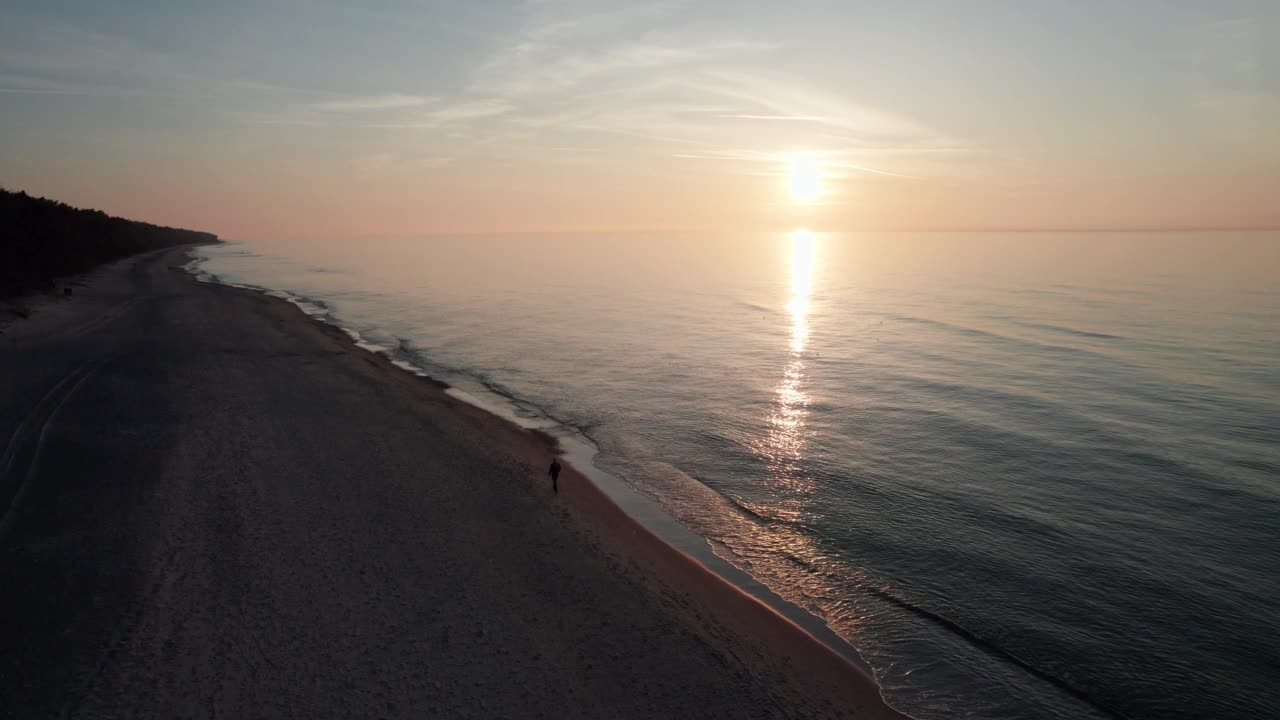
(579, 451)
(640, 515)
(604, 517)
(228, 474)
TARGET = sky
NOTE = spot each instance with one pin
(287, 118)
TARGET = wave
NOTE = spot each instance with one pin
(994, 648)
(1010, 341)
(1070, 331)
(403, 353)
(763, 517)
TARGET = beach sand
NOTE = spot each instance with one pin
(214, 506)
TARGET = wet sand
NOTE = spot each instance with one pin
(214, 506)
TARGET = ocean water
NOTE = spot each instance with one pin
(1026, 475)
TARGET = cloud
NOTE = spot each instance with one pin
(57, 59)
(645, 83)
(663, 84)
(67, 60)
(388, 101)
(805, 118)
(833, 163)
(743, 114)
(551, 24)
(21, 83)
(471, 109)
(790, 97)
(565, 44)
(529, 72)
(258, 86)
(459, 111)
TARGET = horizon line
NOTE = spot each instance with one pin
(677, 231)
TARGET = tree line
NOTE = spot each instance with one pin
(42, 240)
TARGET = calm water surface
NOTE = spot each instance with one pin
(1026, 475)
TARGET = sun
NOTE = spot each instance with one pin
(804, 177)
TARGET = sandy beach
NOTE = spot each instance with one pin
(214, 506)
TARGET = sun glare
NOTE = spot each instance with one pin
(804, 177)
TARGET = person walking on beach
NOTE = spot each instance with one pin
(554, 472)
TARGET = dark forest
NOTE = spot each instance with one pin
(43, 240)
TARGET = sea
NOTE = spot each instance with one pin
(1024, 475)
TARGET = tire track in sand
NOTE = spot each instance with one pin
(22, 452)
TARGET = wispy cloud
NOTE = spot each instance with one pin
(461, 111)
(835, 163)
(788, 96)
(523, 71)
(259, 86)
(84, 62)
(644, 81)
(645, 77)
(802, 118)
(471, 109)
(61, 59)
(668, 88)
(387, 101)
(18, 84)
(22, 83)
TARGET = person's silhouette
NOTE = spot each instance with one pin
(554, 472)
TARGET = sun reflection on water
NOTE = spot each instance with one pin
(803, 255)
(783, 447)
